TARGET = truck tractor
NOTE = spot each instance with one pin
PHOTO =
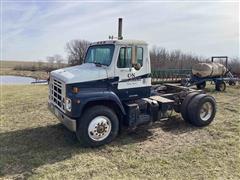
(112, 90)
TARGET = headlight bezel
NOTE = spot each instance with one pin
(68, 104)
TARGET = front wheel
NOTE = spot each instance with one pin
(99, 125)
(220, 86)
(202, 110)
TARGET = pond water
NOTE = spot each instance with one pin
(16, 80)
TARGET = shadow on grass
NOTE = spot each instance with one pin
(24, 150)
(174, 125)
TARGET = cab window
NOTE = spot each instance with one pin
(125, 57)
(140, 55)
(101, 54)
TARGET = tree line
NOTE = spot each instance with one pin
(53, 62)
(161, 58)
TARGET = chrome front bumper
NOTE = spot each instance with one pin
(68, 122)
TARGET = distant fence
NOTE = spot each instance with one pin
(169, 75)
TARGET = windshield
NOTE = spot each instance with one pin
(100, 54)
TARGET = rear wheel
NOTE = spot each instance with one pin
(232, 83)
(202, 110)
(220, 86)
(184, 105)
(201, 85)
(99, 125)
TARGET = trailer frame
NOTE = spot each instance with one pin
(219, 81)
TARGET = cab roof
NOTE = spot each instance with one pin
(121, 42)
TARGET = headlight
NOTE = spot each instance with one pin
(68, 104)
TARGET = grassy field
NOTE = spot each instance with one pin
(34, 145)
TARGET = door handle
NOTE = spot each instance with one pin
(125, 70)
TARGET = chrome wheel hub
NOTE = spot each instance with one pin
(99, 128)
(206, 111)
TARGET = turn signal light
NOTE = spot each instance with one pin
(75, 90)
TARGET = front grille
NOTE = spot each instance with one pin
(57, 93)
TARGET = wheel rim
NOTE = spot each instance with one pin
(99, 128)
(206, 111)
(221, 87)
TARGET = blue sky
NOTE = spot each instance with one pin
(36, 29)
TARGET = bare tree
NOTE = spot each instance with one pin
(76, 50)
(234, 66)
(40, 64)
(50, 60)
(175, 59)
(58, 59)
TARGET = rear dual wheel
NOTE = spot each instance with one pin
(200, 110)
(184, 105)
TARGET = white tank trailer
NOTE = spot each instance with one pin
(211, 72)
(209, 69)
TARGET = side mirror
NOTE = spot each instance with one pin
(137, 66)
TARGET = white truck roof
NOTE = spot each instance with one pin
(122, 42)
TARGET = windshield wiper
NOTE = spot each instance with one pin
(97, 64)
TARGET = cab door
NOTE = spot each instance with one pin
(134, 82)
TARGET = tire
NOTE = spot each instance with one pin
(201, 85)
(202, 110)
(232, 83)
(220, 86)
(99, 125)
(184, 105)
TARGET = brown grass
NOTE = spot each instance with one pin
(12, 64)
(34, 145)
(7, 68)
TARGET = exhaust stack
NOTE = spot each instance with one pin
(120, 29)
